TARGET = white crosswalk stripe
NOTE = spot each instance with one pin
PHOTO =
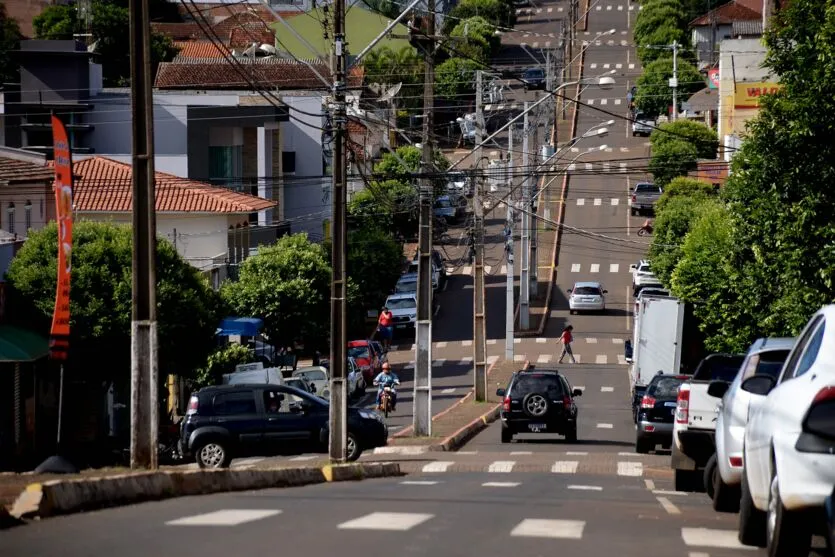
(581, 202)
(617, 341)
(610, 43)
(466, 343)
(621, 359)
(575, 267)
(467, 270)
(491, 341)
(565, 467)
(492, 359)
(595, 268)
(607, 389)
(605, 66)
(601, 359)
(591, 340)
(614, 267)
(617, 101)
(544, 358)
(591, 101)
(615, 201)
(447, 391)
(589, 166)
(608, 8)
(709, 537)
(547, 528)
(519, 357)
(502, 466)
(594, 66)
(597, 201)
(501, 484)
(572, 167)
(630, 468)
(225, 517)
(604, 426)
(604, 101)
(624, 43)
(441, 344)
(618, 66)
(437, 466)
(541, 340)
(631, 66)
(620, 7)
(398, 522)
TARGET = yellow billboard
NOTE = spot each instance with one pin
(747, 95)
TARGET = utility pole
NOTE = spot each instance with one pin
(533, 262)
(422, 415)
(338, 438)
(144, 371)
(509, 305)
(524, 278)
(674, 80)
(479, 331)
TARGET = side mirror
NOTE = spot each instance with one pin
(569, 290)
(501, 392)
(759, 384)
(633, 267)
(577, 392)
(605, 291)
(718, 388)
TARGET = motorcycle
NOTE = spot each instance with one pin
(385, 401)
(646, 229)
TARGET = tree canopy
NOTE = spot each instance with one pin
(455, 78)
(388, 67)
(703, 138)
(654, 95)
(500, 13)
(390, 205)
(9, 41)
(476, 38)
(100, 298)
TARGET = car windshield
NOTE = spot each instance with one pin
(359, 352)
(312, 375)
(537, 383)
(533, 73)
(723, 368)
(402, 303)
(770, 363)
(587, 291)
(404, 286)
(665, 387)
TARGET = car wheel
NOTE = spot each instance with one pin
(751, 519)
(354, 450)
(212, 455)
(707, 478)
(642, 445)
(535, 405)
(788, 533)
(725, 498)
(507, 435)
(686, 480)
(571, 433)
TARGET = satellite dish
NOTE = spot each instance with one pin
(251, 50)
(390, 94)
(93, 47)
(268, 49)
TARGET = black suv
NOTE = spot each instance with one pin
(227, 421)
(656, 412)
(533, 78)
(538, 401)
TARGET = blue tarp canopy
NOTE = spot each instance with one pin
(243, 326)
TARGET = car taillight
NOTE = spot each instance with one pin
(192, 405)
(683, 404)
(820, 418)
(634, 197)
(506, 404)
(735, 461)
(647, 402)
(566, 400)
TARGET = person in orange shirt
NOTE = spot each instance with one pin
(566, 338)
(385, 326)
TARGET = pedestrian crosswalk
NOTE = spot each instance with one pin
(598, 201)
(578, 463)
(601, 168)
(595, 268)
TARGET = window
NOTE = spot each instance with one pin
(230, 404)
(665, 388)
(402, 303)
(535, 383)
(806, 339)
(226, 162)
(811, 352)
(766, 363)
(278, 402)
(288, 161)
(27, 216)
(359, 352)
(587, 291)
(10, 212)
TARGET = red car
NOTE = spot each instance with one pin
(368, 357)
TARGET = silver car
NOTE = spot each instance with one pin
(587, 296)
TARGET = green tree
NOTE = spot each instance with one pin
(56, 22)
(390, 205)
(672, 159)
(476, 38)
(288, 286)
(703, 138)
(375, 260)
(100, 300)
(684, 187)
(672, 223)
(655, 45)
(390, 166)
(455, 79)
(500, 13)
(9, 41)
(223, 360)
(654, 95)
(388, 67)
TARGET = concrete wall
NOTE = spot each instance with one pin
(740, 61)
(40, 200)
(704, 41)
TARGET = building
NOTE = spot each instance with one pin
(27, 201)
(208, 225)
(24, 11)
(736, 19)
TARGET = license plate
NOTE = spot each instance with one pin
(536, 428)
(403, 326)
(668, 404)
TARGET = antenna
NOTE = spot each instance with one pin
(391, 93)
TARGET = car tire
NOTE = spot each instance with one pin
(212, 454)
(642, 445)
(751, 519)
(571, 433)
(686, 480)
(354, 448)
(507, 435)
(528, 397)
(724, 498)
(790, 534)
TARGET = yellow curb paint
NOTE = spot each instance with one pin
(327, 471)
(34, 487)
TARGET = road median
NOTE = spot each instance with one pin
(68, 496)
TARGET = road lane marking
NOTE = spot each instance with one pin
(441, 344)
(601, 359)
(608, 8)
(446, 392)
(581, 202)
(501, 484)
(631, 66)
(491, 341)
(650, 484)
(614, 267)
(565, 467)
(519, 358)
(466, 343)
(549, 528)
(467, 270)
(607, 389)
(594, 66)
(517, 341)
(604, 426)
(666, 492)
(597, 201)
(437, 466)
(386, 521)
(575, 267)
(225, 517)
(605, 66)
(668, 505)
(595, 268)
(630, 468)
(544, 358)
(418, 482)
(586, 487)
(466, 452)
(698, 554)
(520, 452)
(541, 340)
(708, 537)
(492, 359)
(502, 466)
(604, 101)
(620, 7)
(614, 202)
(577, 453)
(581, 387)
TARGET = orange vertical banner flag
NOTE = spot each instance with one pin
(60, 332)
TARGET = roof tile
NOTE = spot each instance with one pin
(178, 31)
(248, 33)
(726, 14)
(190, 50)
(14, 171)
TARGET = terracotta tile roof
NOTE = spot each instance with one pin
(215, 11)
(224, 28)
(14, 171)
(178, 31)
(190, 50)
(726, 14)
(755, 5)
(104, 185)
(272, 73)
(248, 33)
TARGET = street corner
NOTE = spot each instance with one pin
(360, 471)
(460, 437)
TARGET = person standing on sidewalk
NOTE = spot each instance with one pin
(566, 338)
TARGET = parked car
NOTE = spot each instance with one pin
(538, 401)
(643, 197)
(404, 309)
(723, 474)
(319, 377)
(533, 78)
(457, 183)
(302, 384)
(367, 357)
(436, 273)
(229, 421)
(452, 208)
(643, 277)
(656, 413)
(789, 445)
(642, 124)
(406, 284)
(587, 296)
(356, 381)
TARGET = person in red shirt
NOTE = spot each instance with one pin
(566, 338)
(385, 326)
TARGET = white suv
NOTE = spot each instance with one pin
(789, 445)
(642, 276)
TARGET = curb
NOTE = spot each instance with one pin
(405, 432)
(585, 26)
(57, 497)
(460, 437)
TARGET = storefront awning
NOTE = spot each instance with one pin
(243, 326)
(19, 345)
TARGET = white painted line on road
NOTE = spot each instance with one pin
(512, 453)
(623, 150)
(608, 8)
(614, 267)
(621, 359)
(598, 8)
(502, 466)
(591, 340)
(559, 9)
(548, 528)
(594, 66)
(501, 484)
(386, 521)
(247, 462)
(623, 166)
(503, 270)
(605, 66)
(491, 341)
(517, 340)
(631, 8)
(617, 67)
(597, 201)
(630, 468)
(518, 358)
(303, 457)
(437, 466)
(601, 359)
(614, 201)
(620, 7)
(650, 484)
(577, 453)
(626, 453)
(441, 344)
(698, 554)
(573, 166)
(418, 482)
(607, 389)
(604, 101)
(226, 517)
(565, 467)
(708, 537)
(550, 10)
(591, 101)
(467, 270)
(668, 505)
(617, 341)
(624, 43)
(404, 449)
(617, 101)
(466, 452)
(541, 340)
(604, 426)
(547, 44)
(539, 10)
(585, 487)
(535, 44)
(544, 358)
(466, 343)
(581, 387)
(595, 268)
(581, 202)
(492, 359)
(610, 43)
(631, 66)
(666, 492)
(575, 149)
(446, 392)
(439, 363)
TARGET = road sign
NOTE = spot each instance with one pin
(713, 78)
